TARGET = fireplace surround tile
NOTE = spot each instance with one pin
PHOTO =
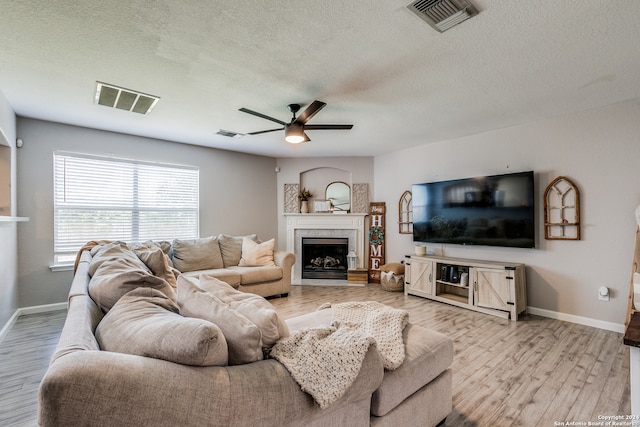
(350, 226)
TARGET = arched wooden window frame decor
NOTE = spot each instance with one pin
(405, 213)
(562, 210)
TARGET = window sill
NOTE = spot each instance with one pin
(61, 267)
(4, 218)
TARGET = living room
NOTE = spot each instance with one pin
(595, 145)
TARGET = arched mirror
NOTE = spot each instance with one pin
(340, 195)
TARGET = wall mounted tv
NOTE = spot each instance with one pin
(497, 210)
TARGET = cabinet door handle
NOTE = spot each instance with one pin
(430, 276)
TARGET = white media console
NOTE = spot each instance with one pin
(496, 288)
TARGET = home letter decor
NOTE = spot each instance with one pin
(376, 240)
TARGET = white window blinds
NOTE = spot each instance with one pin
(101, 198)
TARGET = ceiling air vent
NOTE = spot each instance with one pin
(229, 133)
(124, 99)
(443, 14)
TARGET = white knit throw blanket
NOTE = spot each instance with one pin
(326, 360)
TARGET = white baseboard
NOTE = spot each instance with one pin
(8, 325)
(29, 310)
(587, 321)
(42, 308)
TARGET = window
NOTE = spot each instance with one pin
(101, 198)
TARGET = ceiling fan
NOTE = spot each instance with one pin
(294, 131)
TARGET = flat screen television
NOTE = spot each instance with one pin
(497, 210)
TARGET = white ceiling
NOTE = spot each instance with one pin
(375, 64)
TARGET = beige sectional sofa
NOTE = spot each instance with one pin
(268, 274)
(86, 385)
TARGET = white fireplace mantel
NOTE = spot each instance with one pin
(325, 225)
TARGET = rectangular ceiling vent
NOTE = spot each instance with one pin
(229, 133)
(124, 99)
(443, 14)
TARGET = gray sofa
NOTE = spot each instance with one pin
(87, 386)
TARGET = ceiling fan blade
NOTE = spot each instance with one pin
(310, 111)
(264, 131)
(255, 113)
(326, 127)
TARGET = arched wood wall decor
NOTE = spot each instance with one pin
(562, 210)
(405, 213)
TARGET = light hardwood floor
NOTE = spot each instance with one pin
(534, 372)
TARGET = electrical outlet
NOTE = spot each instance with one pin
(603, 293)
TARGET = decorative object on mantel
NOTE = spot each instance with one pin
(377, 212)
(291, 198)
(405, 213)
(339, 193)
(360, 196)
(562, 210)
(304, 195)
(322, 206)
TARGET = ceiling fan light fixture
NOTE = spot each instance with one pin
(294, 133)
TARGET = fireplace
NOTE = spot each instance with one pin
(321, 225)
(324, 258)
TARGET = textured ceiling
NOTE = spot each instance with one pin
(374, 63)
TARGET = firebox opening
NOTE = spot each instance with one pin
(324, 258)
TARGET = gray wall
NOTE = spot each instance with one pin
(8, 234)
(598, 150)
(236, 194)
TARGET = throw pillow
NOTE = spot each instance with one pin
(197, 254)
(244, 338)
(231, 248)
(257, 254)
(152, 255)
(254, 307)
(115, 270)
(146, 323)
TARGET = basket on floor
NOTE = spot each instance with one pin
(392, 277)
(392, 283)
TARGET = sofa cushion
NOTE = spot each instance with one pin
(146, 323)
(253, 275)
(197, 254)
(152, 255)
(227, 275)
(115, 270)
(253, 307)
(257, 254)
(244, 339)
(427, 354)
(231, 248)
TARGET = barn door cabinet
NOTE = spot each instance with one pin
(496, 288)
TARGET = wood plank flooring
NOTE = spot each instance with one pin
(24, 357)
(534, 372)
